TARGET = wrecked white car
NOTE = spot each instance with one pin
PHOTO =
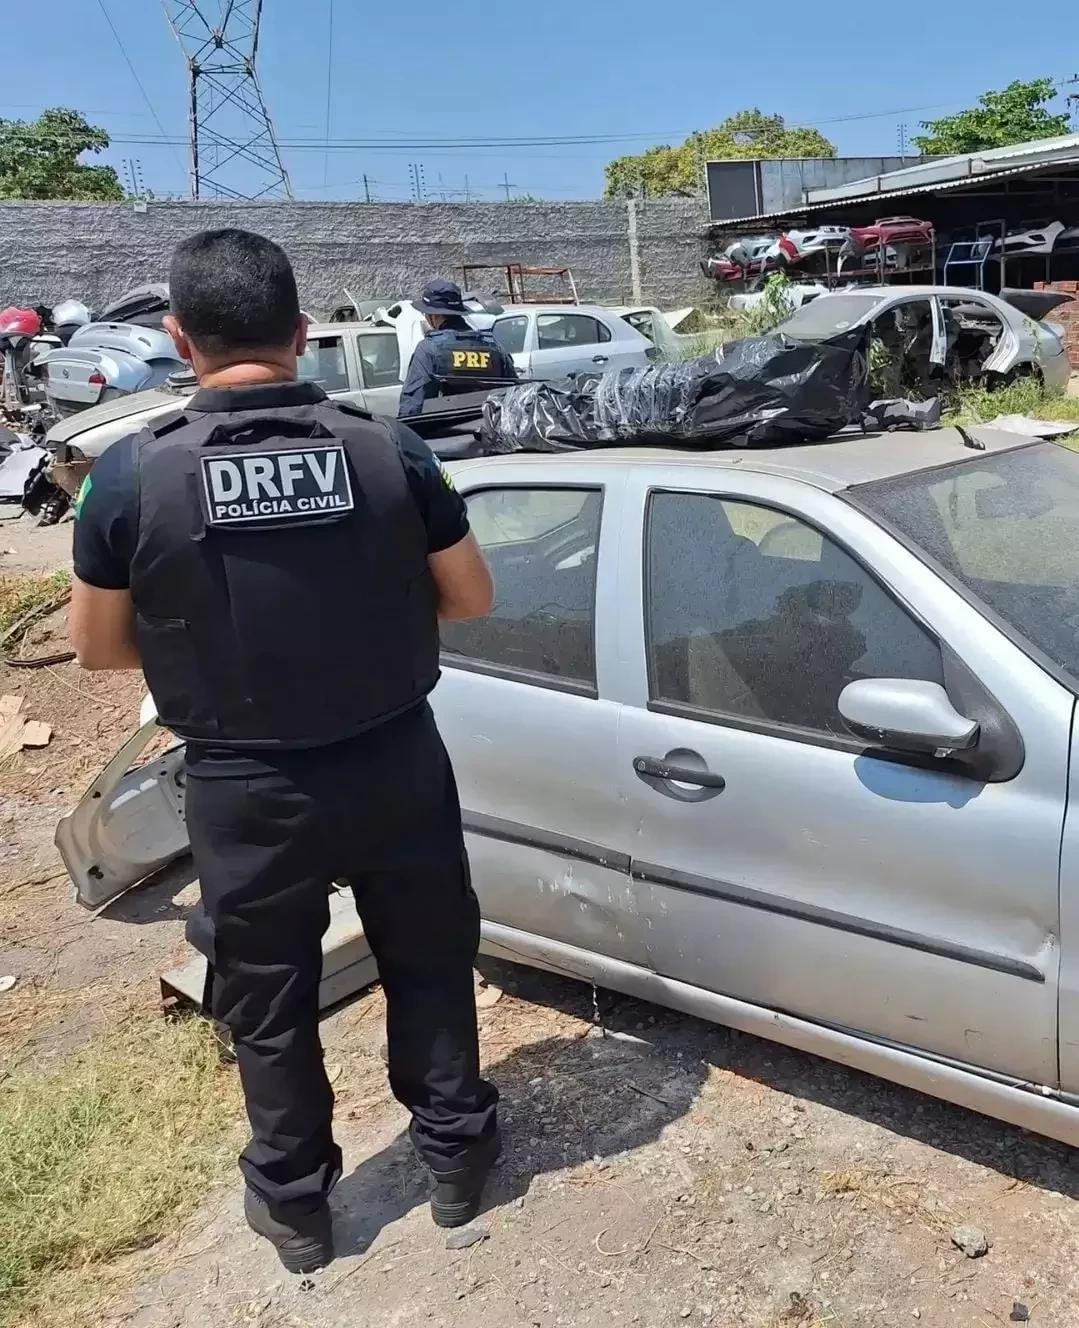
(939, 335)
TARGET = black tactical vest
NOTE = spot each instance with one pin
(280, 581)
(468, 361)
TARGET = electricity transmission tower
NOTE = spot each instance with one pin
(231, 137)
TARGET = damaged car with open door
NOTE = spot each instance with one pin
(783, 738)
(930, 338)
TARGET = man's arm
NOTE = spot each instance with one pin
(463, 580)
(101, 624)
(101, 620)
(461, 575)
(414, 391)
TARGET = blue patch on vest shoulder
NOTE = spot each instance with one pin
(276, 487)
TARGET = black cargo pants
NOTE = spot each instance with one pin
(382, 812)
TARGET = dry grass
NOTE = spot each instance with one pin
(1026, 396)
(102, 1157)
(26, 591)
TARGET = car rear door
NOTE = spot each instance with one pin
(523, 706)
(572, 342)
(789, 866)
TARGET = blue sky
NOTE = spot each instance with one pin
(453, 68)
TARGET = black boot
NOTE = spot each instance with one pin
(304, 1241)
(455, 1199)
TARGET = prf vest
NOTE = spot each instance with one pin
(467, 361)
(280, 579)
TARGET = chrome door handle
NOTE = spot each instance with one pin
(653, 767)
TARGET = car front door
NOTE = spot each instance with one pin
(329, 361)
(519, 704)
(378, 357)
(514, 334)
(783, 863)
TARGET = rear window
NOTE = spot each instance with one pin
(828, 316)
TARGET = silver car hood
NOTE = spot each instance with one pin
(91, 431)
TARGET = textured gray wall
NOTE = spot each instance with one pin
(95, 251)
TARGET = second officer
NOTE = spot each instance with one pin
(453, 357)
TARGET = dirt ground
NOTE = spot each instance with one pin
(656, 1171)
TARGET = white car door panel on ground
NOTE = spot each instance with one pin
(911, 904)
(534, 748)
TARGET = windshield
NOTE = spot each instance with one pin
(828, 316)
(1007, 527)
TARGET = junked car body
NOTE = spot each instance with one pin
(780, 738)
(940, 333)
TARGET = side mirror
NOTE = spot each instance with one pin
(906, 715)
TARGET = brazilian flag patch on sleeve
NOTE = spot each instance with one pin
(83, 494)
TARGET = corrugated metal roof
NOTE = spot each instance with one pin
(907, 191)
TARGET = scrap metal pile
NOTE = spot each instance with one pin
(59, 361)
(889, 243)
(761, 391)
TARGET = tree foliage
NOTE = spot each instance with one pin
(677, 170)
(40, 159)
(1018, 114)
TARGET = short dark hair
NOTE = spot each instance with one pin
(233, 290)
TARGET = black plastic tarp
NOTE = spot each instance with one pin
(760, 392)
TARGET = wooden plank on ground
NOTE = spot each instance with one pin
(11, 724)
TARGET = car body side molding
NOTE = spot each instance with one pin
(513, 832)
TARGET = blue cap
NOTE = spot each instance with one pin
(440, 297)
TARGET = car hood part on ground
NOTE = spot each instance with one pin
(764, 390)
(129, 823)
(19, 463)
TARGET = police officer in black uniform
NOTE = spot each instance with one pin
(453, 357)
(277, 565)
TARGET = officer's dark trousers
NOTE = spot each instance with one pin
(380, 811)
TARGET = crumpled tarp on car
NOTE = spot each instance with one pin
(759, 391)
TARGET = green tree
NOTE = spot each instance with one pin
(677, 170)
(40, 159)
(1016, 115)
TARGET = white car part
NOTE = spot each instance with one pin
(129, 824)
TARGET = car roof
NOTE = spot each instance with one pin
(915, 292)
(845, 461)
(354, 325)
(511, 310)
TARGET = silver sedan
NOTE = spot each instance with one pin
(783, 739)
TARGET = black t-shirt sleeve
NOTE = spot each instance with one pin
(107, 519)
(441, 506)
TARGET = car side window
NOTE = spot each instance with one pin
(381, 359)
(323, 362)
(755, 615)
(565, 331)
(541, 544)
(510, 333)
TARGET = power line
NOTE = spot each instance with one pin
(329, 96)
(134, 75)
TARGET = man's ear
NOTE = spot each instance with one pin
(172, 327)
(301, 336)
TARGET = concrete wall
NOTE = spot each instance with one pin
(93, 251)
